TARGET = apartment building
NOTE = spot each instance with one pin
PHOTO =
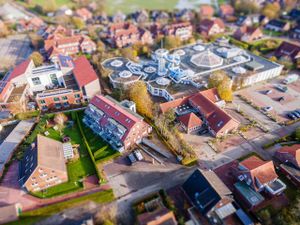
(183, 30)
(59, 85)
(124, 34)
(43, 165)
(116, 122)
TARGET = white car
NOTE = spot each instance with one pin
(267, 108)
(138, 155)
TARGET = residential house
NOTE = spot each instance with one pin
(84, 14)
(209, 27)
(63, 41)
(125, 34)
(160, 16)
(208, 104)
(259, 175)
(295, 32)
(160, 216)
(294, 14)
(184, 15)
(248, 34)
(43, 165)
(10, 213)
(277, 25)
(226, 11)
(287, 50)
(116, 122)
(209, 196)
(248, 20)
(141, 16)
(183, 30)
(32, 24)
(206, 11)
(190, 122)
(289, 157)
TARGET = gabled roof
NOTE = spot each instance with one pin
(205, 190)
(117, 112)
(226, 9)
(190, 120)
(293, 150)
(287, 49)
(206, 10)
(207, 24)
(19, 69)
(164, 107)
(262, 170)
(83, 71)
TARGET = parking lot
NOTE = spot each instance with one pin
(13, 50)
(267, 95)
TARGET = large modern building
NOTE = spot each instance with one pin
(207, 107)
(116, 122)
(191, 66)
(58, 85)
(43, 165)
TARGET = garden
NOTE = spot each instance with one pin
(90, 150)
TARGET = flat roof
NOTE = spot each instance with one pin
(253, 197)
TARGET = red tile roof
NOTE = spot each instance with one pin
(206, 10)
(190, 120)
(83, 71)
(19, 69)
(262, 170)
(206, 24)
(226, 10)
(84, 13)
(287, 49)
(293, 150)
(116, 112)
(164, 107)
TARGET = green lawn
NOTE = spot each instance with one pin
(33, 216)
(101, 150)
(76, 169)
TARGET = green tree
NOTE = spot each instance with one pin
(37, 58)
(170, 42)
(246, 7)
(78, 23)
(271, 10)
(139, 94)
(297, 134)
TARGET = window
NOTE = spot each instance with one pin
(64, 98)
(36, 81)
(54, 79)
(42, 102)
(56, 99)
(78, 101)
(77, 95)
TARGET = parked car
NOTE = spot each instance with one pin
(291, 116)
(281, 99)
(296, 114)
(267, 108)
(131, 158)
(281, 88)
(203, 131)
(267, 92)
(138, 155)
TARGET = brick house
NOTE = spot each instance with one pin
(248, 34)
(183, 30)
(125, 34)
(190, 122)
(260, 175)
(206, 11)
(226, 10)
(288, 50)
(116, 122)
(84, 14)
(43, 165)
(32, 24)
(209, 27)
(207, 103)
(289, 157)
(60, 40)
(277, 25)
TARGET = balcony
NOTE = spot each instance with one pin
(275, 187)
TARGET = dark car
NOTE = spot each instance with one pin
(291, 116)
(296, 114)
(131, 158)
